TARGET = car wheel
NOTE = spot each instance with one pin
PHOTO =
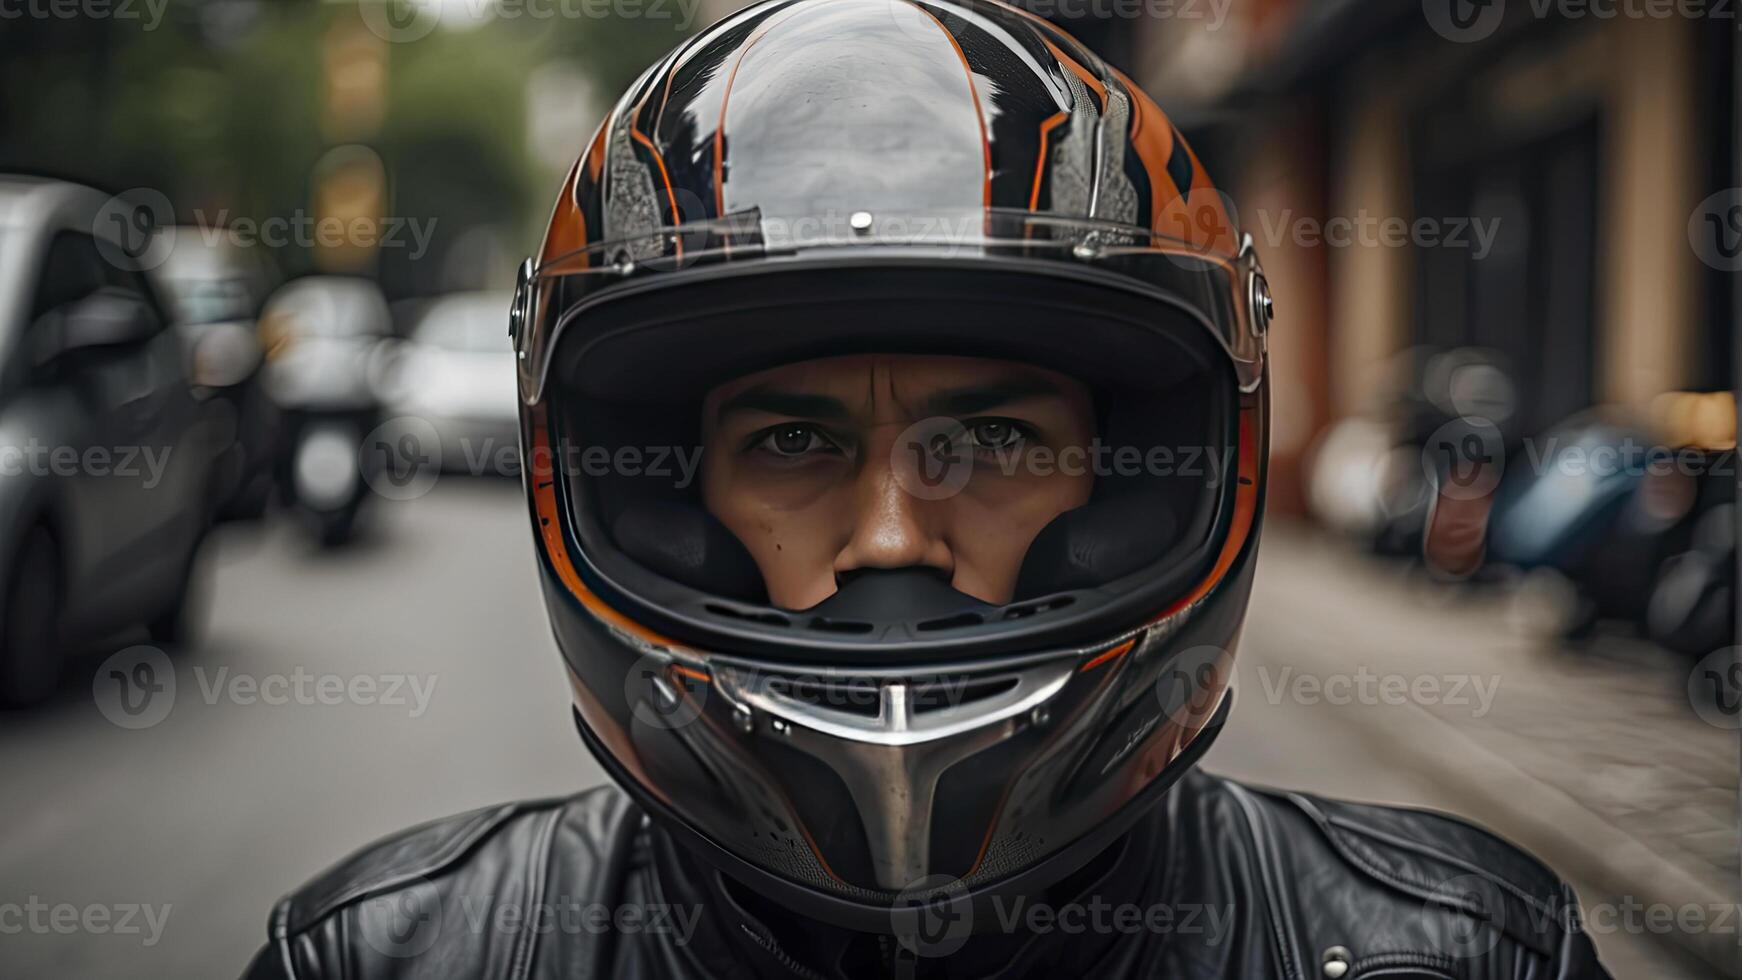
(30, 655)
(184, 619)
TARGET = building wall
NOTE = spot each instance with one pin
(1649, 271)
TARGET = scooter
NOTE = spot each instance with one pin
(323, 336)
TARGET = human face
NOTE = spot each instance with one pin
(813, 466)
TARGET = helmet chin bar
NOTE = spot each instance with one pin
(896, 915)
(891, 761)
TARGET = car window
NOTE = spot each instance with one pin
(467, 323)
(71, 270)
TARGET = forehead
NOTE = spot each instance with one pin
(861, 379)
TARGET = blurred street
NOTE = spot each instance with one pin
(211, 814)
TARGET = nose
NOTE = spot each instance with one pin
(893, 528)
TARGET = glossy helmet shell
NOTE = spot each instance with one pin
(975, 163)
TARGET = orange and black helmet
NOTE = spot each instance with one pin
(811, 178)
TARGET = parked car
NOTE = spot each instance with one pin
(216, 289)
(456, 372)
(324, 336)
(106, 453)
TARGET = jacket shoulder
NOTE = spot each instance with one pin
(443, 882)
(1419, 885)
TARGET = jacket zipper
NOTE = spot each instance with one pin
(773, 949)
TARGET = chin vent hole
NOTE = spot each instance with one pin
(857, 696)
(1039, 606)
(952, 622)
(934, 695)
(748, 615)
(825, 625)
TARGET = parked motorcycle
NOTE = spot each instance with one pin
(1605, 503)
(322, 335)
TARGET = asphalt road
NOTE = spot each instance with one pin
(340, 696)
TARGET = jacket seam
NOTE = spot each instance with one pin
(1417, 888)
(1282, 926)
(521, 964)
(463, 841)
(1408, 845)
(281, 936)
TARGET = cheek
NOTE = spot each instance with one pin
(993, 522)
(793, 537)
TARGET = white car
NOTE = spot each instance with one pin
(456, 372)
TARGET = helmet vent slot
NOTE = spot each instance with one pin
(1038, 606)
(952, 622)
(857, 696)
(749, 615)
(941, 693)
(826, 625)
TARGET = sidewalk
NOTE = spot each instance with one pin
(1592, 757)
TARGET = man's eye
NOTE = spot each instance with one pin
(793, 440)
(995, 434)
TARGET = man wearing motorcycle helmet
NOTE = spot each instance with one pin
(910, 678)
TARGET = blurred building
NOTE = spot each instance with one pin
(1370, 146)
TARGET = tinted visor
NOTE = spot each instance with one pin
(625, 385)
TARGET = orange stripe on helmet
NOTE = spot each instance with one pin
(1112, 654)
(550, 530)
(1046, 129)
(1245, 508)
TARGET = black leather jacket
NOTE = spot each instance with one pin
(1223, 881)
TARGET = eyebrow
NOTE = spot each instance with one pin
(973, 399)
(763, 398)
